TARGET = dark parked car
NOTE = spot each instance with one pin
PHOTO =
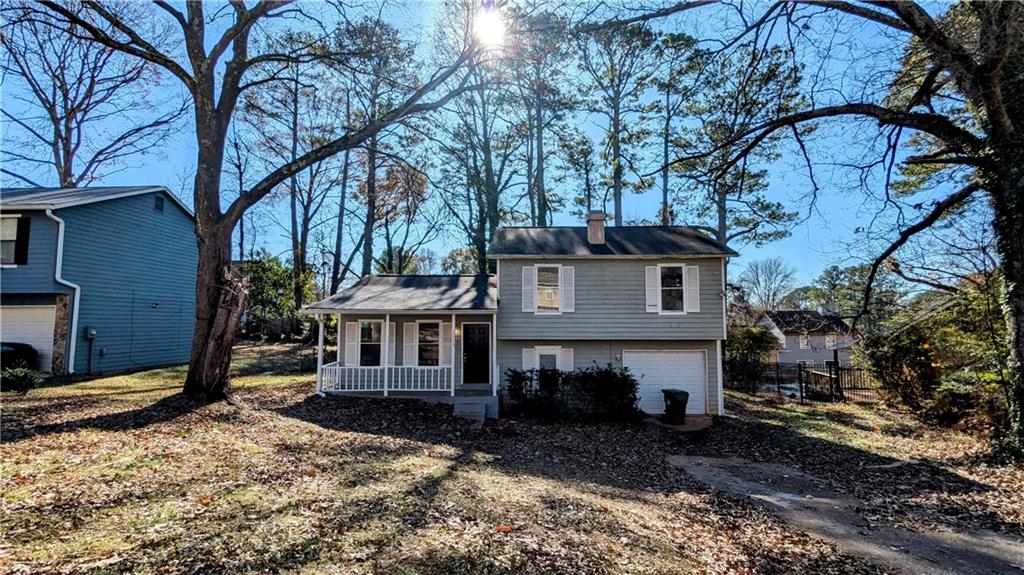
(13, 353)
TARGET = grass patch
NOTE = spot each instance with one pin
(121, 475)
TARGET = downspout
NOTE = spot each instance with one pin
(73, 335)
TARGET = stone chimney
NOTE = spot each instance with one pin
(595, 227)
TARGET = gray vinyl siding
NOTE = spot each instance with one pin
(137, 269)
(818, 353)
(399, 321)
(37, 275)
(588, 352)
(610, 303)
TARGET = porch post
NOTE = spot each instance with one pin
(494, 354)
(320, 355)
(385, 352)
(453, 355)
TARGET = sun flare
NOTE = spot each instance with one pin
(490, 27)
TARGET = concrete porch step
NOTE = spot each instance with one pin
(475, 411)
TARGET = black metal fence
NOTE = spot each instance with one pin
(827, 381)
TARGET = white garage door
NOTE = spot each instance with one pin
(31, 324)
(658, 370)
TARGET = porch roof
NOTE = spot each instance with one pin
(398, 293)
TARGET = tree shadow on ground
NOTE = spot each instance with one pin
(629, 459)
(22, 426)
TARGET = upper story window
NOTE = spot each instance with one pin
(428, 343)
(548, 289)
(369, 343)
(672, 289)
(672, 295)
(14, 240)
(158, 203)
(805, 341)
(830, 340)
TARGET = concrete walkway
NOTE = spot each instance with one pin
(806, 503)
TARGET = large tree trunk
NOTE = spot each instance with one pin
(371, 206)
(220, 295)
(665, 133)
(1007, 195)
(542, 198)
(339, 232)
(617, 162)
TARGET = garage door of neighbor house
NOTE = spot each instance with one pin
(31, 324)
(657, 370)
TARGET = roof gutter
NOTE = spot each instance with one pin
(73, 335)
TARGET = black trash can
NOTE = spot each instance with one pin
(675, 406)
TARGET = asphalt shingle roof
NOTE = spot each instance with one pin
(57, 198)
(619, 241)
(414, 292)
(806, 321)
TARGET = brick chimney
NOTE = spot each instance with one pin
(595, 227)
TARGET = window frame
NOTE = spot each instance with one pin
(14, 254)
(801, 339)
(555, 350)
(831, 340)
(536, 289)
(416, 345)
(359, 355)
(682, 290)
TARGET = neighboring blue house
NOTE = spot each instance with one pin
(97, 279)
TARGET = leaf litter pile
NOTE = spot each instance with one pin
(122, 475)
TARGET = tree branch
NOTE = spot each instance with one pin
(924, 223)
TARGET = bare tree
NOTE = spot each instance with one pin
(87, 108)
(217, 69)
(766, 282)
(954, 100)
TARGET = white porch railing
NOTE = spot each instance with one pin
(398, 378)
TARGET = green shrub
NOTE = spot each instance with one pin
(19, 379)
(597, 392)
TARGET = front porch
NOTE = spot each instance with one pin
(392, 342)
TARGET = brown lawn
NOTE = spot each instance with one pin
(122, 475)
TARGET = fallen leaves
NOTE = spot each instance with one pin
(292, 482)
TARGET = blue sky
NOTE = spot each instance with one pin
(818, 240)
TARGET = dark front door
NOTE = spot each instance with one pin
(476, 353)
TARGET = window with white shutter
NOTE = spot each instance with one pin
(428, 343)
(549, 296)
(651, 282)
(392, 341)
(529, 289)
(568, 288)
(409, 343)
(446, 343)
(692, 298)
(529, 358)
(351, 343)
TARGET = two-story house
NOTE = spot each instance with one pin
(97, 279)
(809, 336)
(650, 299)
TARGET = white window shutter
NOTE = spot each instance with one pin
(409, 343)
(445, 352)
(567, 289)
(692, 302)
(351, 343)
(566, 362)
(529, 358)
(392, 343)
(529, 288)
(653, 286)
